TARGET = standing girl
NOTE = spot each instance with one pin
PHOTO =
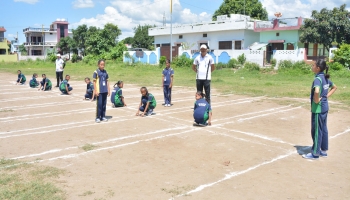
(102, 90)
(319, 108)
(167, 79)
(147, 104)
(117, 97)
(202, 110)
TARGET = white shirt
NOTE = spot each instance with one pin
(203, 66)
(59, 65)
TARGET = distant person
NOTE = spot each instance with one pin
(322, 88)
(117, 97)
(33, 83)
(148, 103)
(21, 78)
(59, 69)
(102, 90)
(274, 51)
(203, 65)
(202, 110)
(65, 88)
(167, 80)
(90, 94)
(45, 84)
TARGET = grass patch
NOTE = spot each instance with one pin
(6, 110)
(88, 147)
(178, 190)
(28, 181)
(282, 83)
(87, 193)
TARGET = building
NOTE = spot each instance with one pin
(39, 41)
(5, 48)
(284, 34)
(227, 33)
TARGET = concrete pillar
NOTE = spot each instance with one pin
(285, 46)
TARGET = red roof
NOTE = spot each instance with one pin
(2, 29)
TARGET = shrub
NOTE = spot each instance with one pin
(74, 58)
(90, 59)
(241, 59)
(233, 63)
(221, 65)
(296, 67)
(335, 66)
(342, 55)
(273, 62)
(162, 60)
(51, 56)
(251, 66)
(182, 61)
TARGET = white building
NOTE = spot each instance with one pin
(227, 33)
(39, 41)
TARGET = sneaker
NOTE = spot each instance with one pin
(323, 154)
(104, 119)
(195, 124)
(310, 156)
(97, 120)
(203, 125)
(113, 106)
(150, 111)
(165, 105)
(168, 105)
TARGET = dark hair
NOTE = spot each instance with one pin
(168, 61)
(200, 93)
(321, 63)
(18, 70)
(35, 74)
(99, 61)
(144, 88)
(67, 75)
(87, 78)
(43, 74)
(118, 83)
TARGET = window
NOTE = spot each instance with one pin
(238, 45)
(157, 45)
(180, 36)
(225, 45)
(205, 35)
(166, 44)
(61, 31)
(39, 39)
(277, 34)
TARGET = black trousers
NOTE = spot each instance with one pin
(59, 76)
(206, 85)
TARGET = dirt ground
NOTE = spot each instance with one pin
(251, 151)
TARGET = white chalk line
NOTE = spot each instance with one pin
(339, 134)
(43, 105)
(102, 149)
(101, 142)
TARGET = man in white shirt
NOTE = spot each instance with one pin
(59, 69)
(203, 65)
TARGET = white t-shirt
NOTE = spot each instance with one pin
(59, 65)
(203, 66)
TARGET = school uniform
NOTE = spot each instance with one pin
(201, 111)
(21, 78)
(116, 97)
(319, 130)
(101, 78)
(167, 73)
(33, 83)
(203, 78)
(63, 85)
(59, 70)
(48, 84)
(152, 103)
(89, 90)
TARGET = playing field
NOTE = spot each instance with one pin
(251, 151)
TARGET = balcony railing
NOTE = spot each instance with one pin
(279, 23)
(264, 24)
(42, 30)
(40, 44)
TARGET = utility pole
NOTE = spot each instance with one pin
(42, 39)
(171, 30)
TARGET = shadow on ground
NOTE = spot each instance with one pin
(303, 149)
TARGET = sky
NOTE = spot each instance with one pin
(127, 14)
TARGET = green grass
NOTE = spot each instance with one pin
(287, 83)
(28, 181)
(88, 147)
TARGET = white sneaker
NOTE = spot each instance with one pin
(169, 105)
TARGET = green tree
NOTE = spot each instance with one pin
(66, 45)
(327, 27)
(141, 37)
(128, 40)
(101, 41)
(252, 8)
(80, 36)
(22, 49)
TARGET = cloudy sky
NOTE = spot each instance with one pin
(20, 14)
